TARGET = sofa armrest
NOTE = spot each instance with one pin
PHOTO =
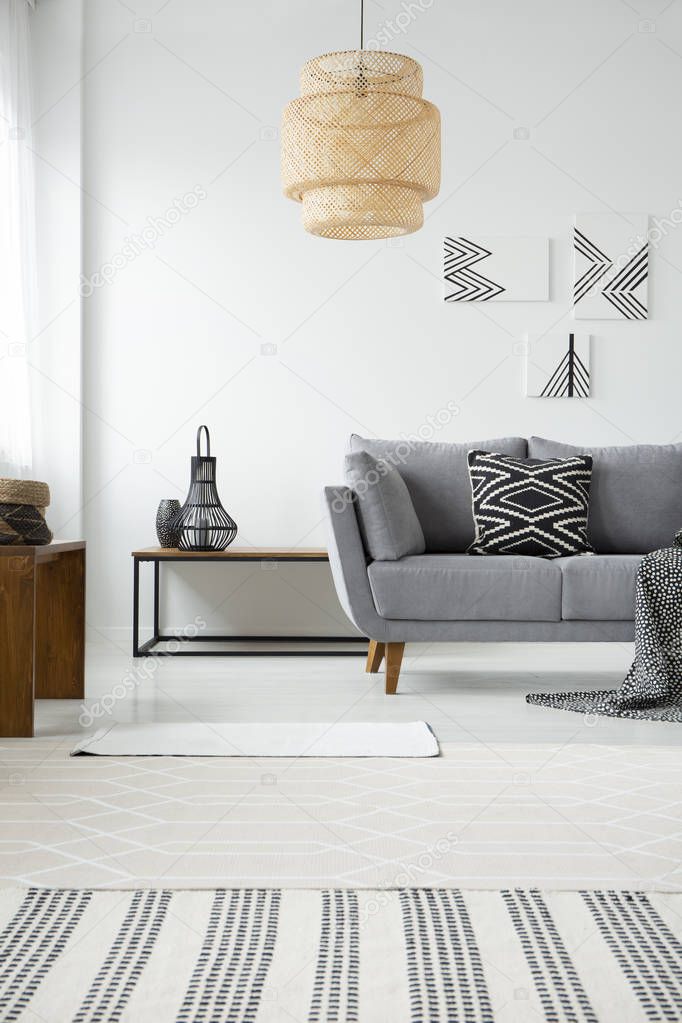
(348, 562)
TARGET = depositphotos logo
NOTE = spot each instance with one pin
(136, 244)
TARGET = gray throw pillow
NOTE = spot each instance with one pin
(437, 478)
(388, 522)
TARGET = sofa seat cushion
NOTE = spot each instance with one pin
(437, 476)
(599, 588)
(462, 587)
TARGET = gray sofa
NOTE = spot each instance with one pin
(444, 594)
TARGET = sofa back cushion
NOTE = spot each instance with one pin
(437, 478)
(635, 497)
(388, 522)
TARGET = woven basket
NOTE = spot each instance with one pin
(22, 512)
(24, 492)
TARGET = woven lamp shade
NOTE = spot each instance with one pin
(360, 147)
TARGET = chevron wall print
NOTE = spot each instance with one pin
(496, 269)
(558, 366)
(611, 266)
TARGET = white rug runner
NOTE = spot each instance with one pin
(276, 739)
(354, 956)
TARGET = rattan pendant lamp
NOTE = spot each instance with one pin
(360, 147)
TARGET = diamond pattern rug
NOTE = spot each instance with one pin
(480, 816)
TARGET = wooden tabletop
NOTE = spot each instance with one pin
(236, 554)
(41, 552)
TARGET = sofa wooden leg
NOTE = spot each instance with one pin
(394, 657)
(375, 656)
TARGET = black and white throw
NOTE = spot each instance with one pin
(528, 506)
(404, 955)
(653, 686)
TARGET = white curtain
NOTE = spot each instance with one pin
(18, 298)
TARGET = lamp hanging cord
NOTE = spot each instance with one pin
(362, 24)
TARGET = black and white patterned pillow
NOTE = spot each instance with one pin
(530, 506)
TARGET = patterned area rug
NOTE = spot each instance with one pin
(266, 955)
(554, 816)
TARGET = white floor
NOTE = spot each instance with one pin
(467, 692)
(521, 795)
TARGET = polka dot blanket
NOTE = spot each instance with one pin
(653, 686)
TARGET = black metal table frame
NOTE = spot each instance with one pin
(158, 637)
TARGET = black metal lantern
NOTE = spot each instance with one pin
(203, 522)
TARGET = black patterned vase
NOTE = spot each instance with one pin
(167, 532)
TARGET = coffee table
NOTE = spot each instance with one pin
(253, 555)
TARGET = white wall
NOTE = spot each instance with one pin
(187, 97)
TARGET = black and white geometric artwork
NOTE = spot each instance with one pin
(611, 261)
(558, 366)
(496, 269)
